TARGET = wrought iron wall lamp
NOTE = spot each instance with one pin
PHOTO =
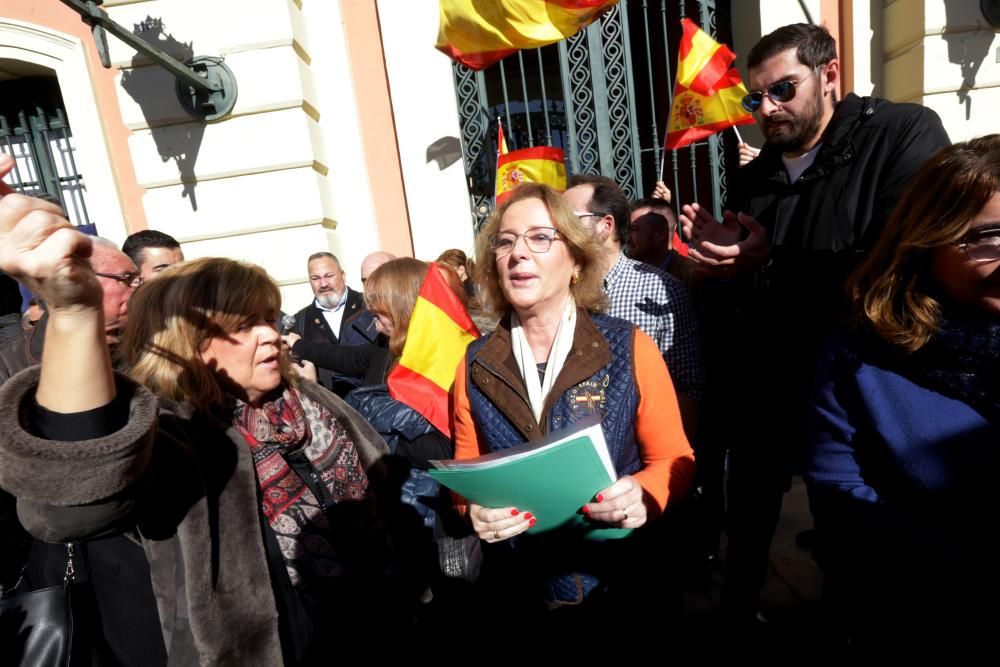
(206, 87)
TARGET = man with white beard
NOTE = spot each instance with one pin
(325, 320)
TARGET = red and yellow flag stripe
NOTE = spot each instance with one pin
(478, 33)
(440, 329)
(708, 90)
(541, 164)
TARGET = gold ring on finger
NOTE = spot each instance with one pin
(496, 534)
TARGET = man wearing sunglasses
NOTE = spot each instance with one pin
(800, 217)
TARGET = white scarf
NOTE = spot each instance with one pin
(561, 346)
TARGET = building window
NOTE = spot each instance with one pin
(34, 130)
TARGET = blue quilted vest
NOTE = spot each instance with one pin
(569, 570)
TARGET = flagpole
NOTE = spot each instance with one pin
(738, 137)
(496, 163)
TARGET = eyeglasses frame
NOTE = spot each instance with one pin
(498, 255)
(762, 92)
(964, 245)
(130, 280)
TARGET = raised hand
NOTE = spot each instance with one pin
(738, 242)
(661, 191)
(747, 154)
(39, 248)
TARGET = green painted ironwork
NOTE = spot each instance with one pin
(35, 132)
(605, 103)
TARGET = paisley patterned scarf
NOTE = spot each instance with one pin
(306, 466)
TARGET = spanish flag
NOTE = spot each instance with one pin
(708, 90)
(478, 33)
(541, 164)
(501, 141)
(440, 330)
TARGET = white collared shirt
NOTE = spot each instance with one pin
(334, 316)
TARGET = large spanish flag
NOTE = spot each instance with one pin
(708, 90)
(440, 330)
(478, 33)
(541, 164)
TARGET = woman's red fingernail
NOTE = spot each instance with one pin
(585, 509)
(600, 497)
(532, 522)
(527, 515)
(513, 512)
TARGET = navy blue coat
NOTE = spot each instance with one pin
(901, 481)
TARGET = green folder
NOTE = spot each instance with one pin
(551, 478)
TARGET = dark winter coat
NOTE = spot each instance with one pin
(355, 329)
(819, 228)
(187, 481)
(117, 570)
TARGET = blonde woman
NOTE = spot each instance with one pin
(541, 269)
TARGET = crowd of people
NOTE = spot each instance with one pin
(244, 488)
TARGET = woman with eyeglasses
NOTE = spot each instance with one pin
(553, 360)
(252, 495)
(904, 438)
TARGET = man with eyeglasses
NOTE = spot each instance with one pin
(118, 276)
(800, 218)
(651, 299)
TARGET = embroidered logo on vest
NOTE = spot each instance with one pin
(588, 397)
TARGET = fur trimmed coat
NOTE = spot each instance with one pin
(187, 482)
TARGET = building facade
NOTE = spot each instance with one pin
(348, 133)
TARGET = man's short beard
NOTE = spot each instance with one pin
(329, 299)
(800, 129)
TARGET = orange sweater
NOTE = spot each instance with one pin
(668, 462)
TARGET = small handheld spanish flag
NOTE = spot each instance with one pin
(478, 33)
(501, 141)
(541, 164)
(707, 92)
(440, 330)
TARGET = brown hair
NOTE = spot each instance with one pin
(393, 288)
(893, 289)
(456, 258)
(173, 317)
(585, 249)
(813, 44)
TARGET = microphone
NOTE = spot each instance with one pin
(285, 327)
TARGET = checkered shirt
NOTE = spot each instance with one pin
(661, 306)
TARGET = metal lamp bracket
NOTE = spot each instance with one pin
(215, 103)
(206, 87)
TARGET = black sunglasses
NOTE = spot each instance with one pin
(779, 92)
